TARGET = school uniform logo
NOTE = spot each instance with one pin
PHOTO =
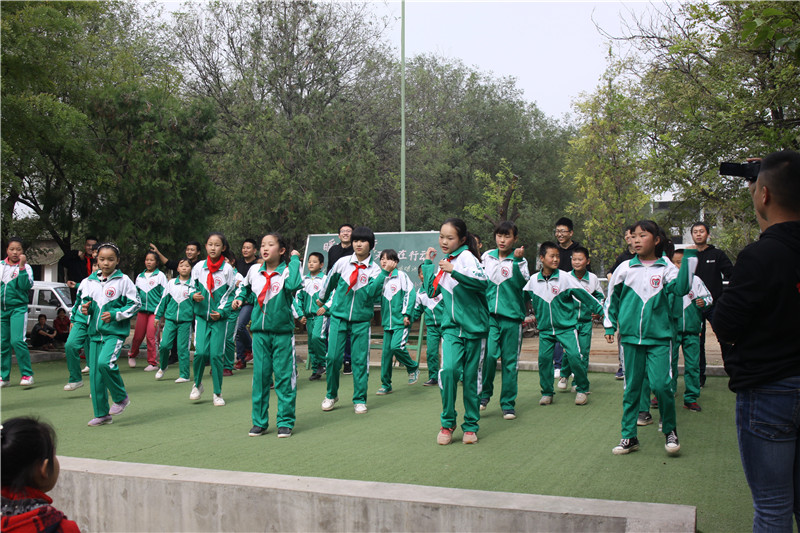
(186, 293)
(393, 288)
(111, 292)
(152, 282)
(655, 282)
(14, 273)
(275, 288)
(691, 295)
(505, 272)
(554, 290)
(217, 281)
(316, 287)
(362, 278)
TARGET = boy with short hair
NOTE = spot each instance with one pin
(554, 296)
(433, 309)
(580, 262)
(354, 283)
(314, 317)
(507, 270)
(43, 334)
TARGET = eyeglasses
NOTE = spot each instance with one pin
(561, 232)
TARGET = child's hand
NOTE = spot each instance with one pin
(595, 316)
(700, 302)
(320, 303)
(303, 320)
(390, 265)
(236, 304)
(321, 311)
(71, 284)
(406, 321)
(106, 317)
(197, 297)
(22, 260)
(609, 339)
(446, 265)
(529, 320)
(214, 315)
(155, 323)
(295, 252)
(519, 253)
(431, 253)
(85, 308)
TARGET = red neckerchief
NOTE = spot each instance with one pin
(440, 274)
(354, 276)
(267, 285)
(213, 267)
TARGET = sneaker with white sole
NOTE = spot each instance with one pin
(327, 403)
(196, 392)
(413, 377)
(100, 421)
(85, 370)
(159, 374)
(644, 419)
(383, 391)
(218, 401)
(256, 431)
(546, 400)
(150, 368)
(470, 437)
(672, 445)
(626, 446)
(4, 383)
(284, 433)
(73, 386)
(581, 398)
(445, 436)
(26, 381)
(484, 403)
(132, 362)
(360, 408)
(562, 384)
(117, 408)
(182, 380)
(509, 414)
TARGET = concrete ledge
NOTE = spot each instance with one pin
(116, 496)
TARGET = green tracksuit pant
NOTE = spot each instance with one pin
(209, 344)
(12, 337)
(104, 376)
(172, 330)
(653, 362)
(394, 347)
(505, 341)
(584, 330)
(691, 365)
(274, 353)
(230, 340)
(461, 357)
(77, 339)
(315, 326)
(432, 342)
(572, 354)
(359, 333)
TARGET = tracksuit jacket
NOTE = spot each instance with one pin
(116, 294)
(689, 317)
(507, 277)
(306, 299)
(396, 302)
(15, 285)
(222, 296)
(589, 282)
(176, 303)
(554, 301)
(356, 304)
(278, 311)
(150, 289)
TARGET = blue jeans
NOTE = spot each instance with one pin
(768, 424)
(244, 342)
(558, 356)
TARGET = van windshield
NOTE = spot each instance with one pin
(65, 295)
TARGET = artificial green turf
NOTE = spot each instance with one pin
(562, 449)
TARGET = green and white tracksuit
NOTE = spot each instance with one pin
(272, 326)
(506, 300)
(433, 309)
(116, 295)
(150, 288)
(352, 309)
(15, 284)
(176, 312)
(306, 305)
(395, 306)
(465, 325)
(209, 335)
(555, 305)
(230, 330)
(78, 337)
(638, 304)
(689, 322)
(584, 326)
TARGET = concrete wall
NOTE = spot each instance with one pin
(114, 496)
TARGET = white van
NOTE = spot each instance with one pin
(45, 298)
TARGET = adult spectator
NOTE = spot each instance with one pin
(564, 232)
(758, 314)
(78, 264)
(344, 248)
(712, 265)
(192, 252)
(244, 343)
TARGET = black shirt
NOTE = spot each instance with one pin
(243, 266)
(565, 263)
(336, 252)
(172, 264)
(712, 264)
(621, 258)
(78, 268)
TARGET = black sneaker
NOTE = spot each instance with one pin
(315, 376)
(692, 406)
(672, 446)
(509, 414)
(645, 419)
(626, 446)
(620, 374)
(347, 368)
(284, 432)
(484, 403)
(433, 382)
(257, 431)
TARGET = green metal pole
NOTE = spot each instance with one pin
(403, 115)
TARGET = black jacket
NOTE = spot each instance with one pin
(336, 252)
(759, 311)
(565, 263)
(712, 264)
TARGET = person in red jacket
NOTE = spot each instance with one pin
(30, 470)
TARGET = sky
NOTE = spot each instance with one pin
(553, 49)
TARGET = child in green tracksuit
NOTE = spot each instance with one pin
(16, 281)
(580, 260)
(176, 312)
(353, 285)
(461, 282)
(396, 322)
(638, 304)
(434, 310)
(230, 326)
(271, 290)
(314, 317)
(110, 300)
(555, 295)
(150, 287)
(507, 271)
(78, 338)
(213, 283)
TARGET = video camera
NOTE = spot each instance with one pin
(748, 171)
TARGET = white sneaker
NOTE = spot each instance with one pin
(5, 384)
(150, 368)
(361, 408)
(196, 392)
(85, 370)
(562, 384)
(546, 400)
(218, 401)
(73, 386)
(26, 381)
(159, 374)
(581, 399)
(182, 380)
(327, 403)
(132, 362)
(557, 372)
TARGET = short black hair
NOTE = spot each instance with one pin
(319, 256)
(345, 226)
(26, 443)
(196, 244)
(581, 250)
(506, 228)
(419, 269)
(651, 227)
(390, 254)
(15, 239)
(780, 172)
(251, 241)
(42, 316)
(564, 221)
(677, 251)
(547, 245)
(91, 238)
(182, 259)
(363, 233)
(700, 223)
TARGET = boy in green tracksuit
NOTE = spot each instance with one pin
(176, 312)
(314, 317)
(507, 271)
(555, 295)
(580, 260)
(396, 322)
(16, 281)
(271, 290)
(434, 310)
(354, 283)
(78, 338)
